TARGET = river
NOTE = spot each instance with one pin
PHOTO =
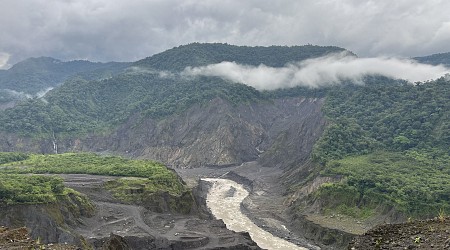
(224, 200)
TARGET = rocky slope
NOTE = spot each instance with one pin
(18, 238)
(51, 223)
(426, 234)
(113, 224)
(277, 133)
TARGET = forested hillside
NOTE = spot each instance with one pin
(81, 106)
(391, 144)
(435, 59)
(198, 54)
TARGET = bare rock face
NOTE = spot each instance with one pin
(218, 133)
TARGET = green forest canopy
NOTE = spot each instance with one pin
(390, 143)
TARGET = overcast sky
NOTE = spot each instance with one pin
(128, 30)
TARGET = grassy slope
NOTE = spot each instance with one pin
(154, 177)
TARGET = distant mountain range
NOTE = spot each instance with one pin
(435, 59)
(37, 74)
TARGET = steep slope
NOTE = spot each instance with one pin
(213, 133)
(80, 107)
(383, 158)
(218, 133)
(18, 238)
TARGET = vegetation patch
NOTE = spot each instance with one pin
(6, 157)
(412, 182)
(161, 194)
(386, 115)
(31, 189)
(144, 178)
(87, 163)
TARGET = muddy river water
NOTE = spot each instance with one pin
(224, 200)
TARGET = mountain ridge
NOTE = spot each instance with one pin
(202, 54)
(38, 73)
(435, 59)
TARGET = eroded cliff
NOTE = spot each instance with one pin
(279, 133)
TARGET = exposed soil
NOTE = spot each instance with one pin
(425, 234)
(340, 222)
(18, 238)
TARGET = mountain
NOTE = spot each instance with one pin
(37, 74)
(115, 113)
(81, 106)
(435, 59)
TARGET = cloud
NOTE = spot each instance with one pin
(140, 70)
(16, 94)
(318, 72)
(22, 95)
(4, 57)
(42, 93)
(104, 30)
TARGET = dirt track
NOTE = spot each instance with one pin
(115, 217)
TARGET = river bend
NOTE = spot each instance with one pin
(224, 200)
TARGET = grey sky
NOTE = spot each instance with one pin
(128, 30)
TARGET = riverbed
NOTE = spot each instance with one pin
(224, 200)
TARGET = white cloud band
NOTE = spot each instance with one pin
(317, 72)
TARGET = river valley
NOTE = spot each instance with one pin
(225, 198)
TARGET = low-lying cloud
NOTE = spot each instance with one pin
(319, 72)
(22, 95)
(4, 57)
